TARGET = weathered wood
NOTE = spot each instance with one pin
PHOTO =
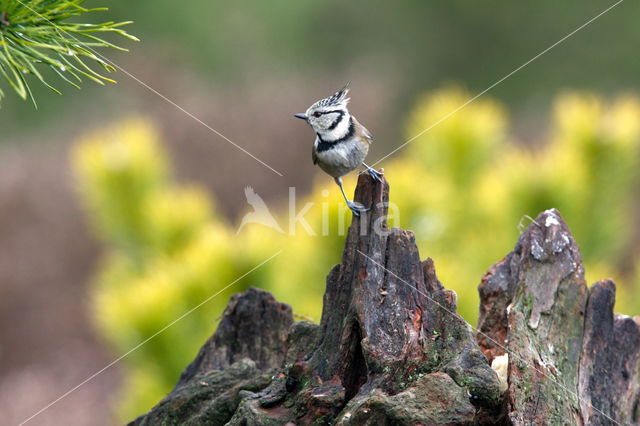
(391, 349)
(249, 344)
(255, 326)
(610, 365)
(571, 359)
(388, 322)
(544, 320)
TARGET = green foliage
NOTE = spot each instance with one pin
(462, 187)
(37, 34)
(415, 45)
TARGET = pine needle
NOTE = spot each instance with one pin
(35, 35)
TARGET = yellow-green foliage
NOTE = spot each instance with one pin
(463, 187)
(587, 169)
(166, 252)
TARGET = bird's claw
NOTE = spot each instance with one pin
(375, 175)
(356, 207)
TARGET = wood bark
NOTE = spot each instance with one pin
(391, 349)
(571, 359)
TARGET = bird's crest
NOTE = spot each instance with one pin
(338, 99)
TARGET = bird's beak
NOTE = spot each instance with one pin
(301, 115)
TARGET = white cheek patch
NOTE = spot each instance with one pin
(340, 131)
(326, 120)
(321, 123)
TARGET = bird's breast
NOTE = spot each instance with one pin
(340, 158)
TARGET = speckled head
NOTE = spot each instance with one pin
(326, 114)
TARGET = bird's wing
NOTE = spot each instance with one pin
(362, 131)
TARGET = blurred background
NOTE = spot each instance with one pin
(119, 212)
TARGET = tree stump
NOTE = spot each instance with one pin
(571, 360)
(391, 349)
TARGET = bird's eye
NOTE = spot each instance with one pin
(316, 114)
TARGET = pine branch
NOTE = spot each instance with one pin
(35, 34)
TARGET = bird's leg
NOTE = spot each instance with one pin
(355, 207)
(375, 175)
